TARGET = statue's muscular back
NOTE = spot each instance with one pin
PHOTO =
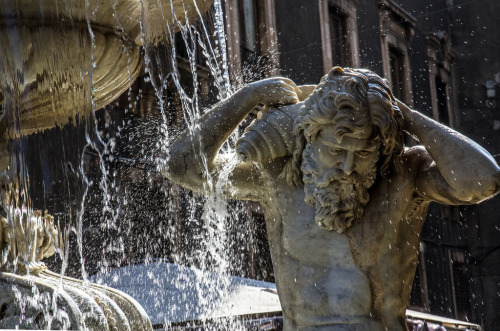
(350, 281)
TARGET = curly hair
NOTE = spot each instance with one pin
(351, 100)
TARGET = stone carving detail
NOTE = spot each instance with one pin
(49, 301)
(344, 199)
(268, 137)
(27, 239)
(32, 297)
(54, 92)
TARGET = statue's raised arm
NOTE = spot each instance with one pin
(193, 153)
(344, 200)
(453, 169)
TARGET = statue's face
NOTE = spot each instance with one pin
(337, 176)
(355, 153)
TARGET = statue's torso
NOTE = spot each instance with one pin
(361, 277)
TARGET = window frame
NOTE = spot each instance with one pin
(266, 33)
(396, 32)
(441, 59)
(457, 257)
(346, 9)
(422, 274)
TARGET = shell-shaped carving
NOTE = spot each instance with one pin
(269, 136)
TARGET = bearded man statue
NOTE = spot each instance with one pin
(344, 200)
(353, 101)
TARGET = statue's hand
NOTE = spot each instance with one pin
(275, 91)
(403, 107)
(406, 112)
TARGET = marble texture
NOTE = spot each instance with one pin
(345, 201)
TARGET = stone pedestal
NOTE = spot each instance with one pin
(49, 301)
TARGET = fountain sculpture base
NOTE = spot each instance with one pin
(50, 301)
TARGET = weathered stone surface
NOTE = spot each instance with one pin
(49, 301)
(346, 200)
(60, 61)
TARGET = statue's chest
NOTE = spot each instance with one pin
(302, 239)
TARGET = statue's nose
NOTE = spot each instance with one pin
(348, 163)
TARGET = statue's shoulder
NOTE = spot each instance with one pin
(415, 159)
(416, 153)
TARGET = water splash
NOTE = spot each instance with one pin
(212, 216)
(95, 205)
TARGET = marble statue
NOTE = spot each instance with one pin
(344, 198)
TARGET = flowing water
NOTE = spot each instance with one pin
(114, 210)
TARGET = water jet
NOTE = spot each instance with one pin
(59, 62)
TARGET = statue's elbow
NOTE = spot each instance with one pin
(495, 184)
(174, 167)
(486, 189)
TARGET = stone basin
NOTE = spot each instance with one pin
(60, 60)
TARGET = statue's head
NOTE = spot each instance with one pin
(348, 132)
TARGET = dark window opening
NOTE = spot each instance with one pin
(442, 101)
(189, 45)
(417, 291)
(461, 288)
(260, 264)
(252, 29)
(249, 24)
(338, 33)
(396, 59)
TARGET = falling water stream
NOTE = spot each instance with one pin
(212, 214)
(70, 169)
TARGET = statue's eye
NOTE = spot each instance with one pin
(363, 153)
(335, 150)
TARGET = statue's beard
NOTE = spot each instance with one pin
(339, 198)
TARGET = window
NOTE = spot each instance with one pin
(191, 42)
(248, 25)
(253, 58)
(397, 64)
(259, 256)
(188, 48)
(440, 57)
(339, 33)
(461, 289)
(417, 299)
(252, 43)
(396, 33)
(442, 103)
(460, 284)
